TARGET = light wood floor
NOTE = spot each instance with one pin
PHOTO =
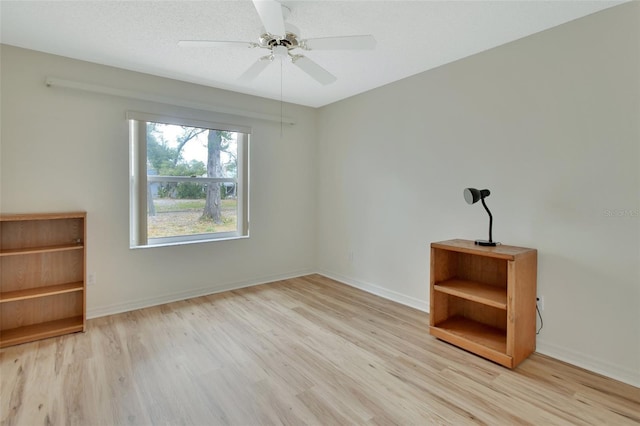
(301, 351)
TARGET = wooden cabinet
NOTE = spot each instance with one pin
(42, 276)
(483, 299)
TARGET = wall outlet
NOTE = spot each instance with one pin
(91, 278)
(540, 303)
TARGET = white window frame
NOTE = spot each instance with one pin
(139, 180)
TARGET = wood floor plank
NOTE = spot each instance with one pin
(302, 351)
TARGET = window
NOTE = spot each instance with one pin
(188, 180)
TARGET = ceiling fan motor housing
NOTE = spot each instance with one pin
(290, 41)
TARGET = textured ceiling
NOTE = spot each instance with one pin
(412, 37)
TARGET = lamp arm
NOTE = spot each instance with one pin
(490, 220)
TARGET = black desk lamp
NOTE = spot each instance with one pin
(471, 196)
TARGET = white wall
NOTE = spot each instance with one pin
(68, 150)
(551, 125)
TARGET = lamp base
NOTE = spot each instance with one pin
(486, 243)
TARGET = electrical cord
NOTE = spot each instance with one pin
(540, 316)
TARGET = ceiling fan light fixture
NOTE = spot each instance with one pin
(280, 52)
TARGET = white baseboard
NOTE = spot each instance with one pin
(147, 302)
(378, 291)
(582, 360)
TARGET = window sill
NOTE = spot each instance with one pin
(183, 243)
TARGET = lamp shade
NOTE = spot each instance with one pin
(472, 195)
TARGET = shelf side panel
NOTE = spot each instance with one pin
(522, 297)
(442, 268)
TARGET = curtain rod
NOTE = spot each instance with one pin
(94, 88)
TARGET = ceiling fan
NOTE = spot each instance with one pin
(280, 39)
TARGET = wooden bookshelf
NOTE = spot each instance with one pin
(483, 299)
(42, 283)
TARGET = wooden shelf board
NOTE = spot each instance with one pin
(475, 337)
(17, 217)
(501, 251)
(43, 249)
(474, 291)
(31, 293)
(30, 333)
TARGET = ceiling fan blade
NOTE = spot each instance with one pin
(358, 42)
(318, 73)
(214, 43)
(254, 70)
(270, 12)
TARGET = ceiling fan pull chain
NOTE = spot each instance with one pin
(281, 101)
